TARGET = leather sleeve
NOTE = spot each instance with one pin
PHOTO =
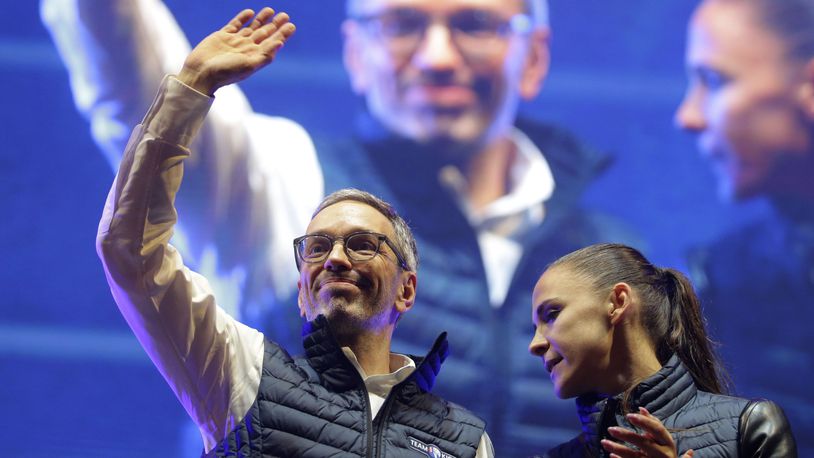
(765, 431)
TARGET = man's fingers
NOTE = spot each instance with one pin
(278, 38)
(238, 21)
(269, 29)
(261, 18)
(280, 19)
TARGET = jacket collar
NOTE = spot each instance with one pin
(409, 170)
(662, 394)
(326, 357)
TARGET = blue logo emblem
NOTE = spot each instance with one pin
(431, 450)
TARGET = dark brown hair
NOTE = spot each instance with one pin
(790, 20)
(671, 311)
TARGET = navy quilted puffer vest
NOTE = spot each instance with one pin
(317, 406)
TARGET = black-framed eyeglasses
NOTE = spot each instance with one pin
(472, 30)
(359, 246)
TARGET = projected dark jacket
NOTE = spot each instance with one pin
(757, 288)
(493, 374)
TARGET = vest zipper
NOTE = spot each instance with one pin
(384, 412)
(369, 417)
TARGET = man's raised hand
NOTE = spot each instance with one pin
(233, 53)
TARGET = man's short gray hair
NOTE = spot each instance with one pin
(538, 10)
(405, 241)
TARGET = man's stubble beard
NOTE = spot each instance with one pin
(349, 317)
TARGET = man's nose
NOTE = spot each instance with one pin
(437, 50)
(337, 259)
(689, 115)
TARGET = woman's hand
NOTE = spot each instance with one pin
(653, 442)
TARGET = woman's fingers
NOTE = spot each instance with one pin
(652, 425)
(653, 440)
(618, 450)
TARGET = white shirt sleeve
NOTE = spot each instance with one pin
(211, 361)
(256, 178)
(485, 447)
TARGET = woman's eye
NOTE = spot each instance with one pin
(550, 315)
(711, 79)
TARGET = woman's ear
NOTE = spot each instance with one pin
(620, 303)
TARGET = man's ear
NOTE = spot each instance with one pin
(300, 299)
(538, 59)
(806, 93)
(620, 303)
(406, 294)
(353, 56)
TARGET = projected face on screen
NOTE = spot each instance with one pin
(746, 101)
(451, 71)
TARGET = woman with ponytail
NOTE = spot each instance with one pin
(627, 339)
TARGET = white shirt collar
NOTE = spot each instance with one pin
(531, 183)
(400, 365)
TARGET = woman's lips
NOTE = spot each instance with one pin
(549, 365)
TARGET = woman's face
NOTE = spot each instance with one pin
(745, 101)
(573, 332)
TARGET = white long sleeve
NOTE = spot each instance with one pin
(211, 361)
(254, 179)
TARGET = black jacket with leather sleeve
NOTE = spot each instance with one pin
(713, 425)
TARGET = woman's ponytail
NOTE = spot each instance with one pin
(687, 336)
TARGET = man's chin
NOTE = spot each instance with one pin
(734, 191)
(345, 326)
(454, 139)
(339, 309)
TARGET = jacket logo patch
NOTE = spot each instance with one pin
(431, 450)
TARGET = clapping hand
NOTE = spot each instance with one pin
(233, 53)
(653, 442)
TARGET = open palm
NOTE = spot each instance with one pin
(240, 48)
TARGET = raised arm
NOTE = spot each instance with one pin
(246, 166)
(116, 53)
(211, 361)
